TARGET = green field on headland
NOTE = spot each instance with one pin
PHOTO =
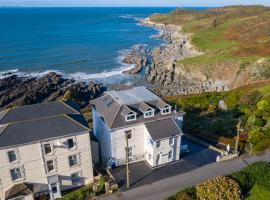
(238, 34)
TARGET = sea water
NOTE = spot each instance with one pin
(84, 43)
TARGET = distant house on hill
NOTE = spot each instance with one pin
(44, 148)
(150, 126)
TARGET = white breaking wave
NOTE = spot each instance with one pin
(102, 75)
(80, 76)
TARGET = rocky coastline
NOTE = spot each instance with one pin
(17, 91)
(159, 63)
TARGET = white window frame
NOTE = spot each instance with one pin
(54, 166)
(51, 145)
(159, 141)
(169, 155)
(16, 155)
(76, 183)
(164, 110)
(77, 158)
(131, 115)
(74, 143)
(130, 156)
(171, 138)
(151, 113)
(19, 179)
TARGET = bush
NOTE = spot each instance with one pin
(220, 188)
(186, 194)
(82, 193)
(254, 174)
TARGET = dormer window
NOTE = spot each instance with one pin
(131, 117)
(149, 113)
(166, 110)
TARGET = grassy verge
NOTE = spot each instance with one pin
(254, 181)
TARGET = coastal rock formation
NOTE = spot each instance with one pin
(17, 91)
(139, 57)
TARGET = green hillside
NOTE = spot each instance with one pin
(206, 119)
(235, 34)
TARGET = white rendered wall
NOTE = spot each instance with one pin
(31, 159)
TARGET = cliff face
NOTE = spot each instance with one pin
(211, 50)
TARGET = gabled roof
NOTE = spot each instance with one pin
(18, 190)
(161, 129)
(144, 107)
(35, 111)
(126, 111)
(161, 104)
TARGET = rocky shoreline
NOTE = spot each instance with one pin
(159, 64)
(17, 91)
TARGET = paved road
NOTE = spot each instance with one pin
(166, 187)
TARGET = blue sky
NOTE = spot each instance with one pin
(174, 3)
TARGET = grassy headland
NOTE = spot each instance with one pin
(236, 36)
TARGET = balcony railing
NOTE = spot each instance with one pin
(134, 158)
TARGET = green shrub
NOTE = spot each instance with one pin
(186, 194)
(220, 188)
(256, 173)
(82, 193)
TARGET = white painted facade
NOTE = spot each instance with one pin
(32, 162)
(113, 144)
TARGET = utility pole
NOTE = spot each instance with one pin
(237, 137)
(127, 161)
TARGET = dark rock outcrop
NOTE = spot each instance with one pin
(17, 91)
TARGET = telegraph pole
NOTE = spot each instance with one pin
(237, 137)
(127, 161)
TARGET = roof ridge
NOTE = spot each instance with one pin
(5, 126)
(68, 105)
(67, 116)
(53, 116)
(6, 111)
(114, 118)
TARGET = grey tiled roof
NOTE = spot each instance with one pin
(24, 132)
(32, 123)
(144, 107)
(126, 110)
(163, 129)
(112, 110)
(35, 111)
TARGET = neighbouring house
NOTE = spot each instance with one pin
(44, 149)
(140, 119)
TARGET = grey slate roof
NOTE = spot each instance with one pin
(35, 111)
(163, 129)
(39, 129)
(144, 107)
(161, 104)
(110, 107)
(126, 110)
(32, 123)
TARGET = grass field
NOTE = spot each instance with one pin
(237, 33)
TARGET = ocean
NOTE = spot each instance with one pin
(84, 43)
